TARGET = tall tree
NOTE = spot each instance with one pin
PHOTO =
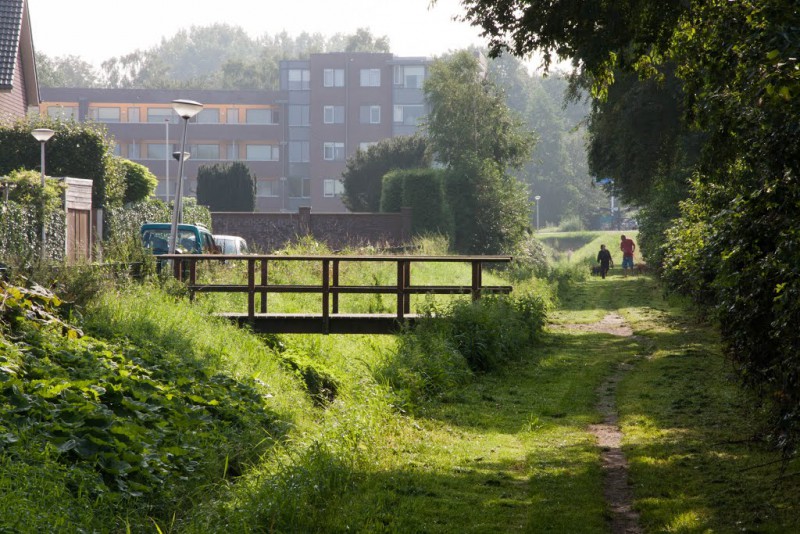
(469, 118)
(474, 133)
(65, 71)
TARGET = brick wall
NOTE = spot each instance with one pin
(13, 104)
(266, 232)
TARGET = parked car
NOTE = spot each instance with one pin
(191, 239)
(231, 244)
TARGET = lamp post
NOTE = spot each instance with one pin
(177, 157)
(166, 155)
(43, 135)
(186, 109)
(537, 197)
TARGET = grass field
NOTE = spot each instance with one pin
(505, 450)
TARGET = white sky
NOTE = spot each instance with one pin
(96, 30)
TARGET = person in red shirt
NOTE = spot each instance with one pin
(627, 246)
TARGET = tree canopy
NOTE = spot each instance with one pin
(734, 246)
(474, 133)
(217, 56)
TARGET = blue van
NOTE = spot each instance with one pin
(191, 239)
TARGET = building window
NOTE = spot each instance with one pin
(133, 151)
(333, 77)
(157, 151)
(409, 76)
(62, 112)
(409, 115)
(267, 188)
(333, 188)
(365, 146)
(208, 152)
(299, 79)
(206, 116)
(104, 114)
(261, 116)
(299, 115)
(333, 151)
(333, 114)
(370, 115)
(299, 187)
(262, 152)
(232, 116)
(133, 115)
(370, 77)
(161, 115)
(298, 152)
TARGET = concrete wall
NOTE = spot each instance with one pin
(267, 232)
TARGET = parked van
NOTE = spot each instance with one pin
(230, 244)
(191, 239)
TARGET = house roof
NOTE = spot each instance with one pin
(11, 18)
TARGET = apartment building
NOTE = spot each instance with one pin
(295, 140)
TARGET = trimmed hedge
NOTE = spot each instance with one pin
(422, 190)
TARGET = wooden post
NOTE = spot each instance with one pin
(336, 284)
(407, 284)
(476, 280)
(326, 289)
(251, 289)
(401, 288)
(192, 277)
(263, 284)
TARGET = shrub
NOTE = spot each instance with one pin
(79, 150)
(449, 344)
(226, 187)
(140, 183)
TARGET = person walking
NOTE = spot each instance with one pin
(605, 260)
(627, 246)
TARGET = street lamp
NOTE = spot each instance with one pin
(537, 197)
(43, 135)
(177, 157)
(186, 109)
(166, 155)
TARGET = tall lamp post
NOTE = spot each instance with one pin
(177, 157)
(537, 197)
(166, 155)
(186, 109)
(43, 135)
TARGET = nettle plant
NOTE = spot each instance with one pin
(145, 422)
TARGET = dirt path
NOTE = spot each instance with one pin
(617, 491)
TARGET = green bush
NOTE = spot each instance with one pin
(392, 192)
(140, 183)
(21, 220)
(130, 422)
(449, 344)
(79, 150)
(226, 187)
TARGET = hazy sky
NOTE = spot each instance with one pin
(99, 29)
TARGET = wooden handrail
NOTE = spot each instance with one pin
(330, 287)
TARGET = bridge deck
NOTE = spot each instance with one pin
(301, 323)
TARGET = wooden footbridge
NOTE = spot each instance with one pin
(328, 320)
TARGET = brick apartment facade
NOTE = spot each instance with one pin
(295, 140)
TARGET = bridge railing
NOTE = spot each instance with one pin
(330, 287)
